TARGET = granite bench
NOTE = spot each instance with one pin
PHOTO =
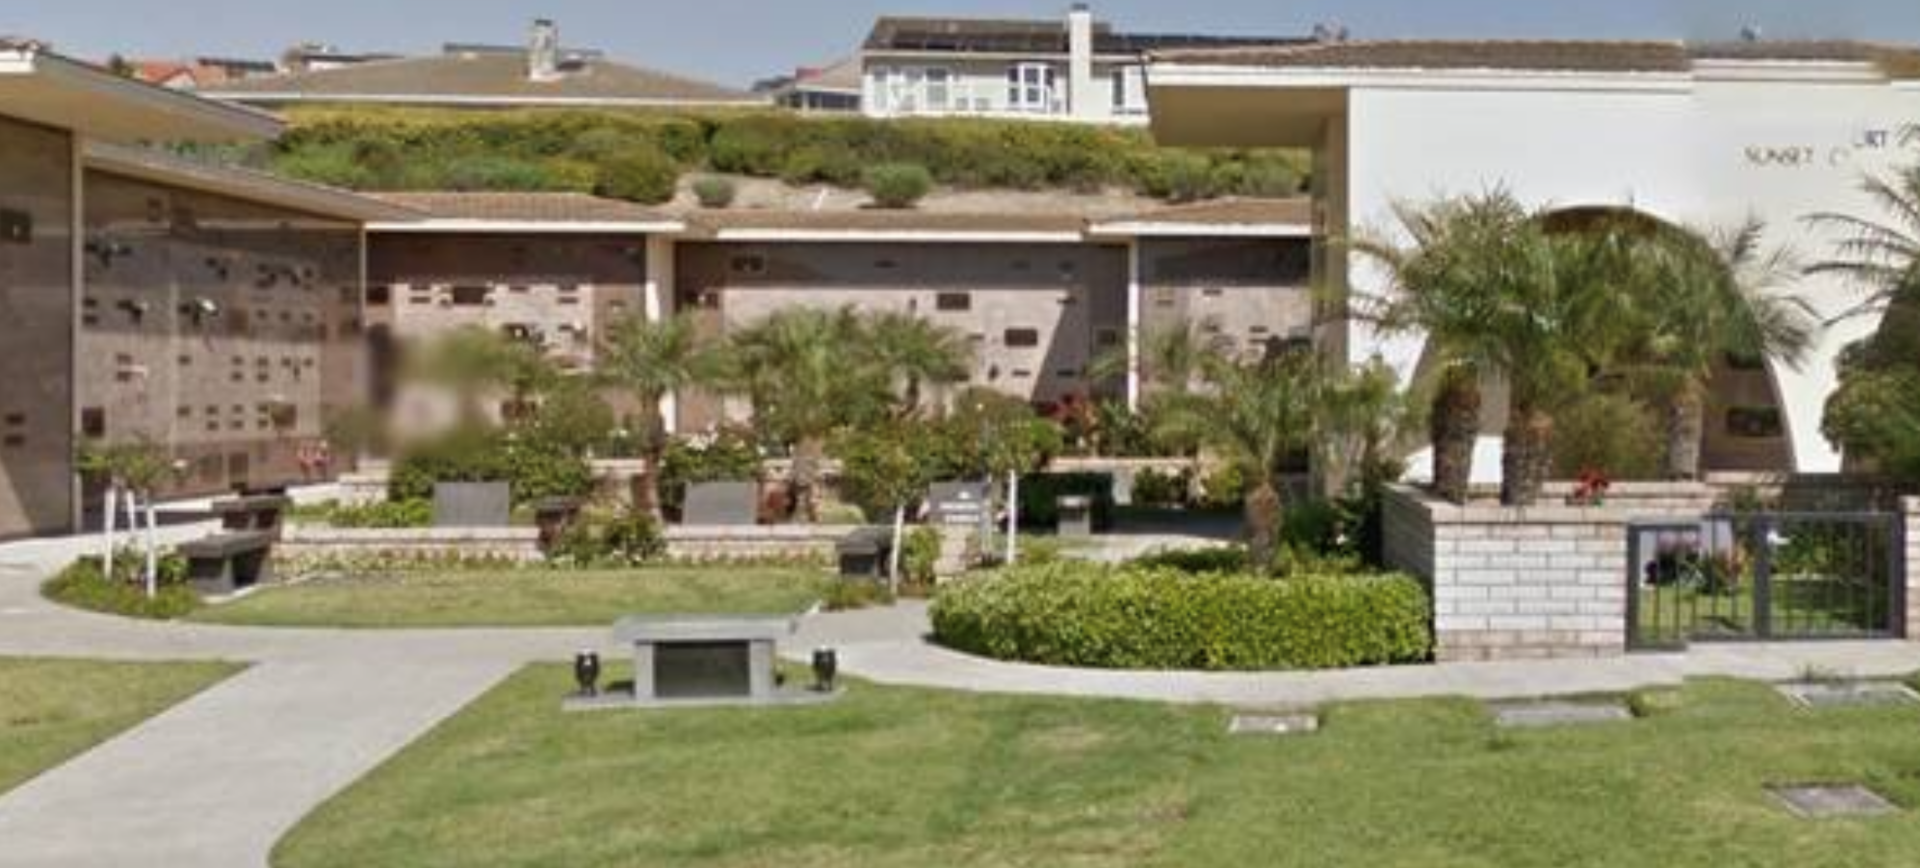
(224, 563)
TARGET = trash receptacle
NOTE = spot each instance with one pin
(1076, 515)
(553, 515)
(863, 554)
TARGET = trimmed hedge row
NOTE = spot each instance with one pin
(634, 154)
(1081, 614)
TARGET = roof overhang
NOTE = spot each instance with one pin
(527, 227)
(1196, 104)
(1172, 229)
(55, 91)
(896, 236)
(267, 97)
(312, 199)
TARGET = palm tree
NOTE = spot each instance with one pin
(916, 352)
(1881, 257)
(1257, 416)
(1875, 414)
(1711, 296)
(807, 372)
(651, 360)
(1363, 414)
(1497, 292)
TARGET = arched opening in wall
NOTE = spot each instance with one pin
(1745, 422)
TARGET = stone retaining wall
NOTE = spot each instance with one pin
(520, 544)
(761, 542)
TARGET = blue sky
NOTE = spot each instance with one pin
(736, 41)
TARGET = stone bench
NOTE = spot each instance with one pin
(221, 564)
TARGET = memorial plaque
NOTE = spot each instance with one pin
(959, 504)
(702, 670)
(472, 504)
(730, 504)
(1534, 715)
(1820, 801)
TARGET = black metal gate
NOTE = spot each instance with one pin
(1764, 576)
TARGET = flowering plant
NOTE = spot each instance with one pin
(1591, 488)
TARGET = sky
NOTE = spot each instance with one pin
(738, 41)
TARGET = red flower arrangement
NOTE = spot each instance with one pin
(1591, 489)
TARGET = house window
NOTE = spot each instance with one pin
(937, 89)
(1030, 87)
(1754, 423)
(470, 296)
(1129, 88)
(953, 301)
(1021, 337)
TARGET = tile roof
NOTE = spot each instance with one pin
(486, 77)
(524, 207)
(1553, 56)
(1226, 212)
(1017, 36)
(1899, 61)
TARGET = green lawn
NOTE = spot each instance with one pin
(522, 598)
(893, 777)
(51, 710)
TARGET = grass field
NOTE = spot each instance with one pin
(522, 598)
(893, 777)
(52, 710)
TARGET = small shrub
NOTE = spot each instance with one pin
(1225, 488)
(638, 174)
(1082, 614)
(83, 586)
(847, 594)
(1608, 432)
(918, 554)
(385, 514)
(898, 185)
(533, 468)
(629, 539)
(714, 192)
(1214, 560)
(1156, 488)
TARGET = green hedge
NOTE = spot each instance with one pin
(1081, 614)
(83, 586)
(425, 149)
(533, 467)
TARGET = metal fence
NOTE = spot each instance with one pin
(1764, 576)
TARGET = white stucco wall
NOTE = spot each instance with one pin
(1703, 153)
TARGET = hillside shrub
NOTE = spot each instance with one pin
(898, 185)
(1071, 613)
(83, 585)
(390, 148)
(643, 174)
(1608, 432)
(714, 192)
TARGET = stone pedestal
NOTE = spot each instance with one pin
(702, 658)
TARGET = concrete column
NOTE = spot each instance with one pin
(659, 305)
(1133, 323)
(77, 276)
(1910, 542)
(643, 687)
(1082, 100)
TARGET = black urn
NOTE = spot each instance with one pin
(826, 664)
(586, 672)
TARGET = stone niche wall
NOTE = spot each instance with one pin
(1533, 582)
(36, 319)
(225, 331)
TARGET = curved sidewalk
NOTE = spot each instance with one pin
(218, 779)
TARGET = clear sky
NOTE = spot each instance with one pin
(737, 41)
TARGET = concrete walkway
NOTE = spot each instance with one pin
(888, 646)
(216, 780)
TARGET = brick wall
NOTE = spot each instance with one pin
(1910, 527)
(1518, 583)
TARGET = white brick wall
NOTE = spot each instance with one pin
(1910, 508)
(1518, 583)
